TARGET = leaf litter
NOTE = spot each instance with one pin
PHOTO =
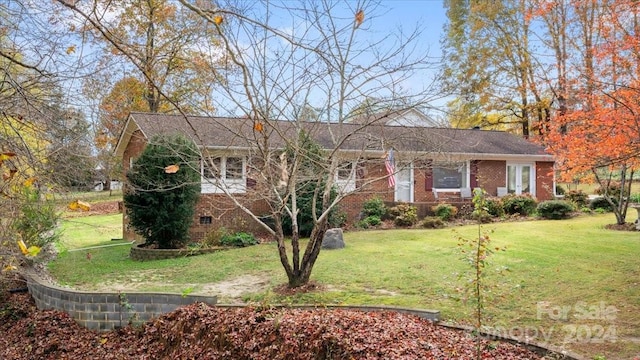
(201, 331)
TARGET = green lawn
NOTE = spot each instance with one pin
(590, 188)
(89, 231)
(572, 265)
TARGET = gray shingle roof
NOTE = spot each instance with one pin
(221, 132)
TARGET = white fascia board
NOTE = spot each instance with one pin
(129, 128)
(461, 156)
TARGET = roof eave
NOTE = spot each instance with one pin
(125, 136)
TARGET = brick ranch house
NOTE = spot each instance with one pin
(432, 164)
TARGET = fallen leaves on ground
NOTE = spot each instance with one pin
(200, 331)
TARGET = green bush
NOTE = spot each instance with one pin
(560, 190)
(577, 197)
(518, 204)
(161, 205)
(372, 220)
(239, 239)
(555, 209)
(374, 207)
(37, 222)
(465, 211)
(494, 206)
(445, 211)
(432, 222)
(337, 217)
(601, 203)
(213, 238)
(404, 215)
(634, 198)
(482, 217)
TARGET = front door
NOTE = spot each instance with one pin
(404, 183)
(520, 179)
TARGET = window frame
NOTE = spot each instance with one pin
(346, 184)
(464, 177)
(222, 183)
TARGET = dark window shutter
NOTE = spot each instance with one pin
(428, 175)
(474, 174)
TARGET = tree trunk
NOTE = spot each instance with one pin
(303, 274)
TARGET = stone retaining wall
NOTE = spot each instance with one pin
(107, 311)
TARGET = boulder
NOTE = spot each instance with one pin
(333, 239)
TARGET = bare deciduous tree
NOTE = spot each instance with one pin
(328, 56)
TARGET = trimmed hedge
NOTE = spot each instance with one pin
(445, 211)
(554, 209)
(519, 204)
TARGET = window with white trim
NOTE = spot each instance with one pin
(450, 175)
(224, 173)
(345, 177)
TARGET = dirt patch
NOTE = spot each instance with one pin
(284, 289)
(231, 291)
(228, 291)
(101, 208)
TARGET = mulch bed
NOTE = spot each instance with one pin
(622, 227)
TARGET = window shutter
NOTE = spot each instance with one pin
(428, 175)
(473, 176)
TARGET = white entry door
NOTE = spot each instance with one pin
(521, 179)
(404, 183)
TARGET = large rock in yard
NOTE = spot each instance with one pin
(333, 239)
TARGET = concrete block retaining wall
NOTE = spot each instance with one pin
(107, 311)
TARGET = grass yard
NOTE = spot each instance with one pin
(88, 196)
(89, 231)
(570, 281)
(590, 188)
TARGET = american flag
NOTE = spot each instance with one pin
(390, 165)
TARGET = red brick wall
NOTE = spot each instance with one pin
(544, 180)
(132, 151)
(492, 174)
(224, 213)
(352, 204)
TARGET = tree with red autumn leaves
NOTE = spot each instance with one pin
(599, 135)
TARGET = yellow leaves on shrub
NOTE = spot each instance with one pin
(257, 126)
(218, 19)
(6, 156)
(71, 49)
(9, 268)
(79, 205)
(29, 181)
(172, 169)
(31, 251)
(23, 247)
